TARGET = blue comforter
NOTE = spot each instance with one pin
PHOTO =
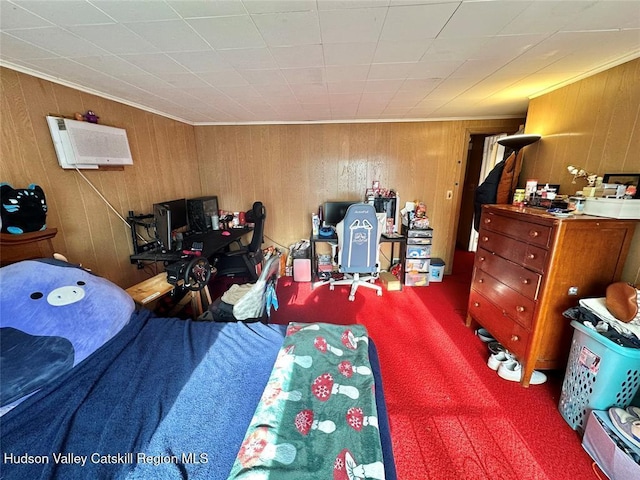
(164, 398)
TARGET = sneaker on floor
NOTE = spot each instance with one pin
(512, 371)
(626, 424)
(498, 359)
(635, 411)
(484, 335)
(495, 347)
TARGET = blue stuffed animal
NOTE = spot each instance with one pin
(52, 316)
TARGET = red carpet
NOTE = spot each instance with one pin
(451, 417)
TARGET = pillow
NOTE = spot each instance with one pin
(52, 298)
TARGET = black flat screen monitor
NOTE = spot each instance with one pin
(170, 216)
(333, 212)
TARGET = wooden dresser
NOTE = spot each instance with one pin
(530, 267)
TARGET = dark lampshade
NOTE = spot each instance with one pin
(516, 142)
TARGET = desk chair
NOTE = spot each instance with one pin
(243, 261)
(358, 248)
(249, 302)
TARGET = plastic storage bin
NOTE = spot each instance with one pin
(600, 374)
(436, 270)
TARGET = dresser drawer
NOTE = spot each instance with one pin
(511, 335)
(514, 304)
(419, 241)
(517, 277)
(522, 230)
(514, 250)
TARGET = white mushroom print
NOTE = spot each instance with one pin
(347, 369)
(321, 344)
(291, 329)
(324, 386)
(346, 468)
(286, 358)
(350, 341)
(356, 419)
(273, 392)
(305, 422)
(258, 449)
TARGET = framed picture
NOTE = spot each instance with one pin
(631, 180)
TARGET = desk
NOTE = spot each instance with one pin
(313, 239)
(212, 243)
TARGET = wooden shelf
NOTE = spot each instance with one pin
(26, 246)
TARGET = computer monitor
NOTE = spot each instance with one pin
(333, 212)
(170, 216)
(200, 212)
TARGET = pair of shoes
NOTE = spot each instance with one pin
(498, 359)
(626, 423)
(484, 335)
(512, 371)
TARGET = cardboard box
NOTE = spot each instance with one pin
(620, 208)
(606, 452)
(390, 281)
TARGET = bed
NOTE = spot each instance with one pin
(93, 388)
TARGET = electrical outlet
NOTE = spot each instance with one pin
(449, 194)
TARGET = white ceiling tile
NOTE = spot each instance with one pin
(184, 81)
(446, 49)
(116, 39)
(434, 69)
(357, 25)
(383, 86)
(84, 13)
(382, 71)
(203, 61)
(155, 63)
(308, 89)
(344, 4)
(109, 63)
(304, 75)
(298, 56)
(393, 52)
(416, 23)
(348, 54)
(223, 78)
(607, 15)
(273, 6)
(249, 58)
(209, 8)
(22, 50)
(495, 15)
(14, 16)
(546, 17)
(169, 35)
(263, 77)
(133, 11)
(272, 91)
(228, 32)
(56, 40)
(144, 81)
(291, 28)
(354, 87)
(336, 74)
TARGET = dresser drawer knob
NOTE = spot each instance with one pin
(534, 233)
(481, 280)
(485, 239)
(526, 281)
(481, 259)
(520, 308)
(487, 220)
(515, 338)
(531, 256)
(476, 304)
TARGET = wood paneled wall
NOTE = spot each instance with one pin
(293, 169)
(594, 124)
(165, 167)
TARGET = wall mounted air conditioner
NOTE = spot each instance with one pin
(88, 145)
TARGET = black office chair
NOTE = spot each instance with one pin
(242, 261)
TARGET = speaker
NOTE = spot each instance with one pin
(200, 211)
